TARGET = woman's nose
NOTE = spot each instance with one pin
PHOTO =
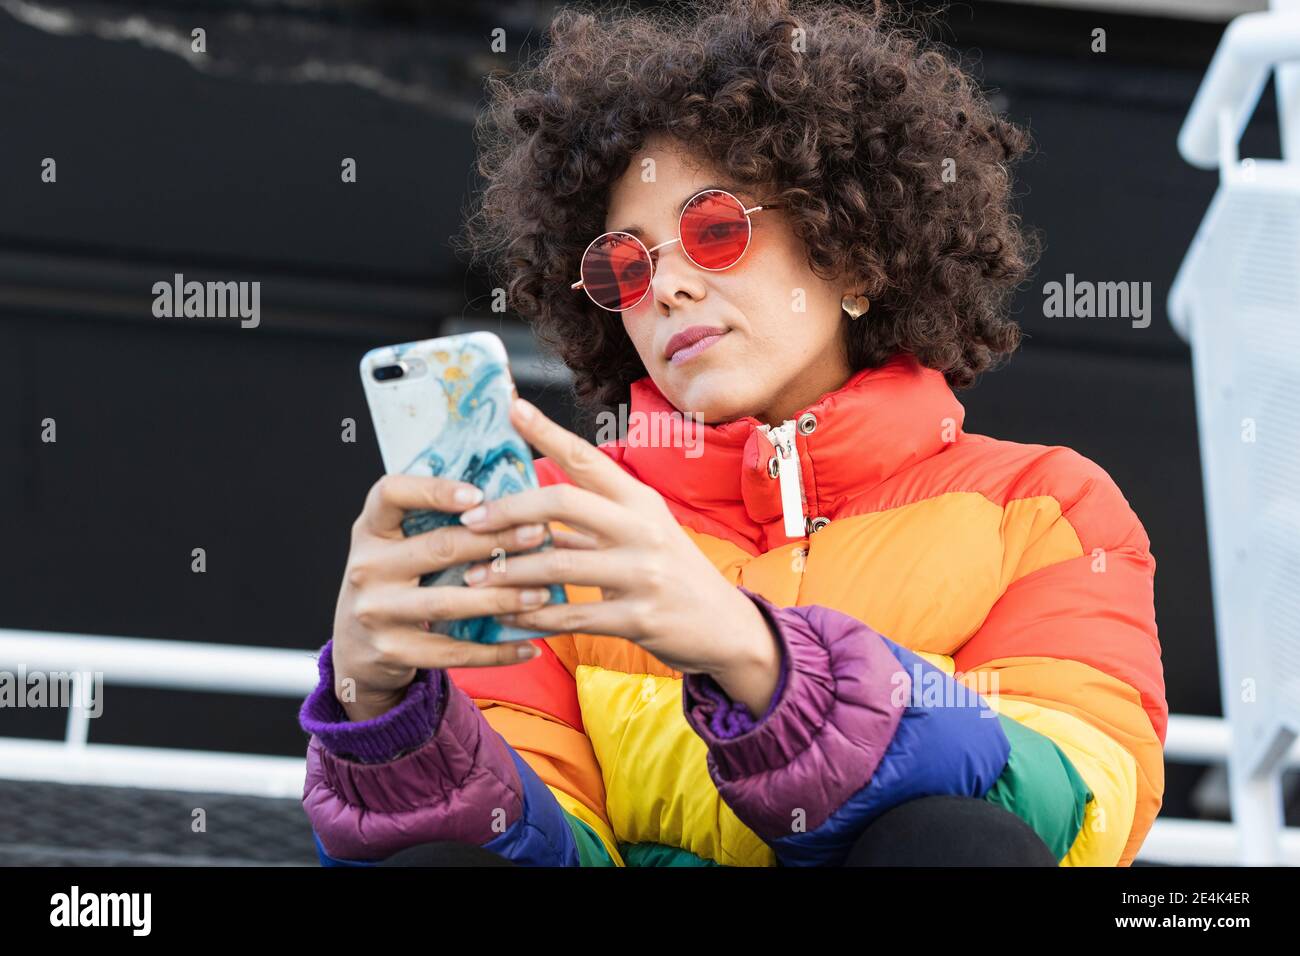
(676, 279)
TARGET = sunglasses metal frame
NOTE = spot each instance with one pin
(749, 235)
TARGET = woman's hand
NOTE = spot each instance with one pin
(379, 635)
(658, 588)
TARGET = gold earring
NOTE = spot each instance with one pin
(855, 305)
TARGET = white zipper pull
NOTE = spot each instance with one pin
(790, 475)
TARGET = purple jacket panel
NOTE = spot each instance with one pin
(449, 775)
(401, 729)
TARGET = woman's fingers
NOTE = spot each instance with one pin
(583, 510)
(603, 568)
(455, 544)
(615, 617)
(393, 495)
(404, 605)
(566, 538)
(423, 649)
(585, 464)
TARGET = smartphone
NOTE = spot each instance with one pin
(441, 407)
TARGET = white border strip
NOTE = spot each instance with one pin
(153, 768)
(180, 665)
(1206, 843)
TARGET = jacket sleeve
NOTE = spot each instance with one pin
(435, 768)
(860, 725)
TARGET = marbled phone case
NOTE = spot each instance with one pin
(452, 421)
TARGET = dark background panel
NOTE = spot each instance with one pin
(169, 441)
(157, 158)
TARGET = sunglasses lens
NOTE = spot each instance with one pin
(715, 230)
(616, 271)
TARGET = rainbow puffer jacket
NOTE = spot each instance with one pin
(975, 618)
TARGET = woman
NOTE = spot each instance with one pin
(841, 630)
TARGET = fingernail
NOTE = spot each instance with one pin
(465, 495)
(527, 652)
(525, 409)
(528, 533)
(476, 575)
(474, 515)
(533, 597)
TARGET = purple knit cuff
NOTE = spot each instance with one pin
(728, 718)
(390, 735)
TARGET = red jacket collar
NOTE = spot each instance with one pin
(880, 422)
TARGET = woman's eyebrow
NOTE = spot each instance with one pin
(639, 232)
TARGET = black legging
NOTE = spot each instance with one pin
(928, 831)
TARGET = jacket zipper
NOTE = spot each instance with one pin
(790, 475)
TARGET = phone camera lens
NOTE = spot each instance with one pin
(386, 373)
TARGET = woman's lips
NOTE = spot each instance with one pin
(690, 342)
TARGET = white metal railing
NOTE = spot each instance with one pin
(1236, 301)
(285, 673)
(176, 665)
(1252, 46)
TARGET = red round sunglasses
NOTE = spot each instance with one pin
(713, 228)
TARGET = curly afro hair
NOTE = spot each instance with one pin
(885, 156)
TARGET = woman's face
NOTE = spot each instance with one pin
(777, 341)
